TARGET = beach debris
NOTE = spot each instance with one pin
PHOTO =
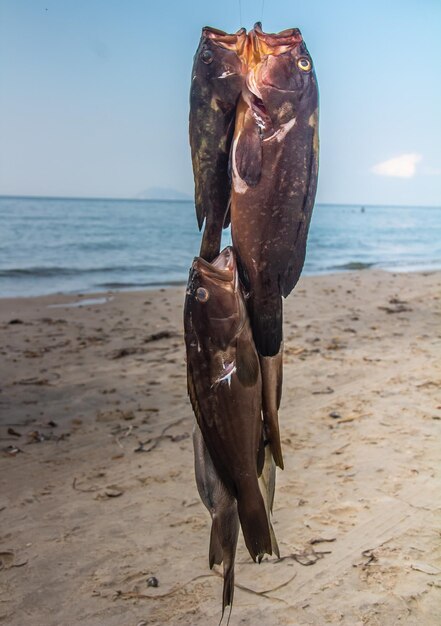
(426, 568)
(370, 556)
(162, 334)
(312, 542)
(13, 432)
(35, 436)
(129, 595)
(323, 391)
(16, 320)
(336, 344)
(335, 415)
(128, 351)
(398, 306)
(152, 581)
(8, 559)
(119, 354)
(306, 557)
(113, 491)
(11, 450)
(154, 441)
(91, 489)
(34, 380)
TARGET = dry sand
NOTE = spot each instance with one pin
(97, 485)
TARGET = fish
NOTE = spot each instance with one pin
(217, 81)
(274, 169)
(224, 385)
(222, 507)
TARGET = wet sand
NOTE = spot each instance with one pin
(96, 469)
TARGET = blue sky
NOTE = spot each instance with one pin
(94, 94)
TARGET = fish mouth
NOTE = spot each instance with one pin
(222, 268)
(230, 41)
(275, 43)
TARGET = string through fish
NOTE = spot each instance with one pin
(240, 12)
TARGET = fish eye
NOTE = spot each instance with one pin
(202, 294)
(207, 56)
(304, 64)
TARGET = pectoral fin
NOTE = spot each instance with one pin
(247, 362)
(248, 155)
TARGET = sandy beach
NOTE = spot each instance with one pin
(98, 499)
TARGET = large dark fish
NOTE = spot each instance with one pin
(223, 510)
(224, 385)
(274, 164)
(274, 167)
(217, 80)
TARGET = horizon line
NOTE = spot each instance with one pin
(191, 200)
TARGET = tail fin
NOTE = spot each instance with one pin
(267, 484)
(254, 521)
(272, 374)
(215, 552)
(266, 315)
(228, 591)
(225, 530)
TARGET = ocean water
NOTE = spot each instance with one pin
(54, 245)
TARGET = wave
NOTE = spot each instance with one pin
(47, 272)
(120, 285)
(353, 265)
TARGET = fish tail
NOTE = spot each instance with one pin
(225, 528)
(211, 239)
(254, 520)
(228, 590)
(274, 544)
(215, 552)
(267, 323)
(267, 485)
(272, 375)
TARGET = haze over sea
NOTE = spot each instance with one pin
(57, 245)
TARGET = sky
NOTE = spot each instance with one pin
(94, 94)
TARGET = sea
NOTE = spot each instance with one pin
(70, 246)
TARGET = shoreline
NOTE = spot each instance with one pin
(108, 292)
(96, 463)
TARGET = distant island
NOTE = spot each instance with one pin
(162, 193)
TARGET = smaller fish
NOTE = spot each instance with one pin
(217, 80)
(223, 510)
(224, 385)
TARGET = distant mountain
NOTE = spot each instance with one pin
(162, 193)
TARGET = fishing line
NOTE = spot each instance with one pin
(240, 14)
(261, 15)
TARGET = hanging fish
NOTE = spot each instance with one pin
(274, 166)
(224, 385)
(223, 510)
(217, 80)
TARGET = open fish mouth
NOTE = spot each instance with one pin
(274, 43)
(236, 41)
(222, 268)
